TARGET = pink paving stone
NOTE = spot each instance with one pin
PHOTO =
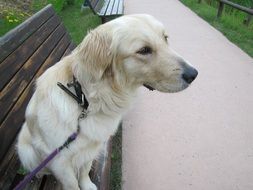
(200, 138)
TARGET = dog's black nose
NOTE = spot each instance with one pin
(189, 74)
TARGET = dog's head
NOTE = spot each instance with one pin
(132, 51)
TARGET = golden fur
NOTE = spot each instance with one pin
(111, 63)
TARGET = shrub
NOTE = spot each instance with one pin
(58, 5)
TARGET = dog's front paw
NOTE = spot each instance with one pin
(88, 185)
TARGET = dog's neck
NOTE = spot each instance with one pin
(103, 97)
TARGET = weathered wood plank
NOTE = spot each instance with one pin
(8, 157)
(8, 173)
(22, 78)
(69, 49)
(7, 179)
(13, 121)
(16, 59)
(34, 184)
(17, 36)
(52, 183)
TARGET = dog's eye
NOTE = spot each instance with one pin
(145, 50)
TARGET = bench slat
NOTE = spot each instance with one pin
(6, 162)
(13, 122)
(115, 7)
(6, 168)
(104, 8)
(99, 6)
(121, 7)
(69, 49)
(94, 3)
(52, 183)
(34, 184)
(7, 179)
(109, 9)
(17, 36)
(11, 156)
(14, 61)
(18, 83)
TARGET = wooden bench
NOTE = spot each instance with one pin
(236, 6)
(106, 9)
(25, 53)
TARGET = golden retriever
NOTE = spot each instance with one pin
(112, 61)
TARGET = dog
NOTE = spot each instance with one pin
(111, 63)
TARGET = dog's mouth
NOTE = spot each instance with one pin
(149, 87)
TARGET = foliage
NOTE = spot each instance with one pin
(58, 5)
(70, 2)
(247, 3)
(230, 24)
(22, 171)
(78, 23)
(12, 14)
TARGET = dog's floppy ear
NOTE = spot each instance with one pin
(95, 53)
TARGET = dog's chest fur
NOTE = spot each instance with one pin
(94, 133)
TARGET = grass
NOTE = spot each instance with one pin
(116, 160)
(11, 16)
(78, 23)
(230, 24)
(6, 26)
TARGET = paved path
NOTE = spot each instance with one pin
(201, 138)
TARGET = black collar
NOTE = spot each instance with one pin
(80, 96)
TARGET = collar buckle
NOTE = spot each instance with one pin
(79, 96)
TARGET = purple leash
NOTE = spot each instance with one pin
(82, 101)
(43, 164)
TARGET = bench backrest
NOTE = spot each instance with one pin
(25, 53)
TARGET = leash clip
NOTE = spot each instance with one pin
(83, 114)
